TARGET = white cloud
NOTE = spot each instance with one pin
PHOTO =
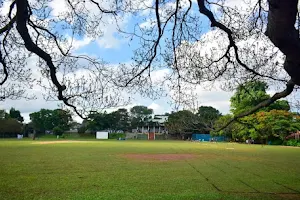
(29, 106)
(159, 75)
(77, 44)
(149, 23)
(216, 98)
(109, 39)
(155, 107)
(58, 7)
(108, 29)
(4, 9)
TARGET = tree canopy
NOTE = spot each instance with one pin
(10, 126)
(11, 123)
(182, 122)
(251, 94)
(46, 119)
(207, 115)
(140, 115)
(256, 41)
(114, 121)
(185, 121)
(3, 114)
(274, 122)
(15, 114)
(120, 120)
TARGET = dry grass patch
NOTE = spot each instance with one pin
(160, 157)
(59, 142)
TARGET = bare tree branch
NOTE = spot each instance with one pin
(2, 61)
(8, 26)
(215, 23)
(22, 18)
(103, 10)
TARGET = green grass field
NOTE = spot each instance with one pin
(134, 170)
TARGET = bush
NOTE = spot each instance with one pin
(116, 135)
(82, 129)
(293, 142)
(57, 131)
(284, 142)
(276, 142)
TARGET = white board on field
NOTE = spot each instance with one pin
(101, 135)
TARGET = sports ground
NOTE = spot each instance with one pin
(74, 169)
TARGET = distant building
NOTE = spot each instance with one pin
(161, 119)
(155, 125)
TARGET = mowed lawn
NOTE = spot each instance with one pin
(147, 170)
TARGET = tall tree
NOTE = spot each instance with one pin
(10, 126)
(251, 94)
(173, 40)
(15, 114)
(3, 114)
(114, 121)
(120, 120)
(234, 131)
(140, 115)
(48, 119)
(207, 115)
(265, 125)
(62, 118)
(183, 122)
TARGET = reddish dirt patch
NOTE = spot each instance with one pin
(57, 142)
(159, 157)
(290, 196)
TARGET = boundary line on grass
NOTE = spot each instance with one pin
(257, 191)
(295, 192)
(198, 171)
(287, 187)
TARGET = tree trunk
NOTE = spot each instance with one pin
(282, 32)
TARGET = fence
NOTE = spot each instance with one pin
(207, 137)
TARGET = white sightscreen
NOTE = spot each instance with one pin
(101, 135)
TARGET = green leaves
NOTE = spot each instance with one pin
(186, 122)
(117, 120)
(15, 114)
(140, 115)
(274, 121)
(251, 94)
(48, 119)
(262, 125)
(10, 126)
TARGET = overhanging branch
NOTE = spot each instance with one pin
(214, 23)
(21, 20)
(2, 61)
(288, 90)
